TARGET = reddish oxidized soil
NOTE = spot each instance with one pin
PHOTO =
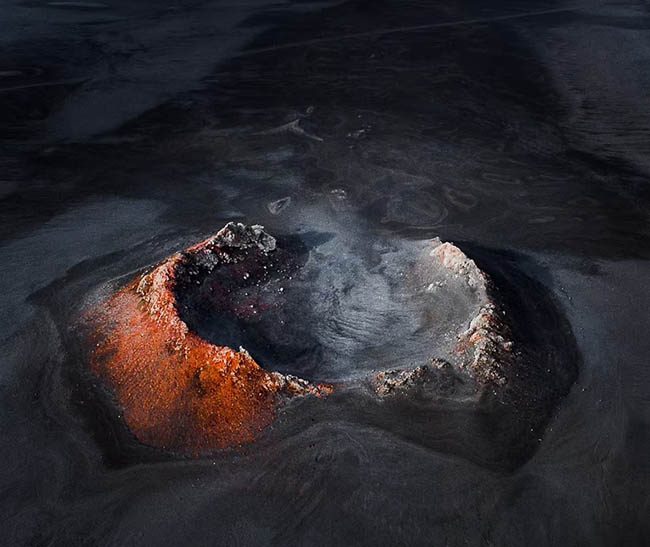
(178, 391)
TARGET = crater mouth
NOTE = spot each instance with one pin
(258, 301)
(318, 310)
(411, 324)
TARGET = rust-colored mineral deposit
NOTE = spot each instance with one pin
(178, 391)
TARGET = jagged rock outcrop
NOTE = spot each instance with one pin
(485, 351)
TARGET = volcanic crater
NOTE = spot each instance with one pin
(170, 345)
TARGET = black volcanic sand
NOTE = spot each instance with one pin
(517, 130)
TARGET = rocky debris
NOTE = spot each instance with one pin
(241, 236)
(231, 244)
(485, 348)
(438, 378)
(294, 386)
(455, 260)
(484, 354)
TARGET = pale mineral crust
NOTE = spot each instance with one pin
(486, 347)
(485, 351)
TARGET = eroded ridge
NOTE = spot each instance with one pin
(176, 390)
(485, 352)
(486, 347)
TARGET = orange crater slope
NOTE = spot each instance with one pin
(177, 390)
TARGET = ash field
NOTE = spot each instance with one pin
(324, 273)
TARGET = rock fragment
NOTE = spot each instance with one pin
(436, 379)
